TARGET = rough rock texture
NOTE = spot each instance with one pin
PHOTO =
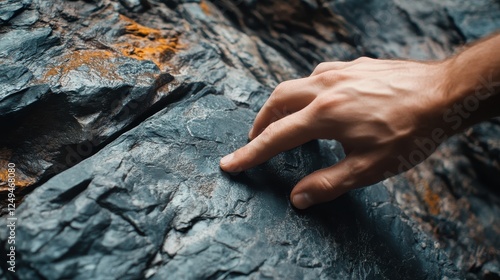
(154, 92)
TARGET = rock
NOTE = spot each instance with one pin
(458, 205)
(481, 146)
(117, 112)
(162, 197)
(10, 7)
(97, 80)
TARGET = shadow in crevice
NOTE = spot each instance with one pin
(42, 132)
(294, 28)
(363, 235)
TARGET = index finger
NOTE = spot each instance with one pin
(288, 97)
(282, 135)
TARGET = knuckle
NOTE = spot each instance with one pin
(272, 101)
(272, 128)
(362, 59)
(320, 105)
(358, 170)
(324, 104)
(325, 184)
(269, 133)
(325, 78)
(280, 88)
(330, 78)
(328, 66)
(276, 94)
(320, 67)
(356, 166)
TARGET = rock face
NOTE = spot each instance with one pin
(117, 112)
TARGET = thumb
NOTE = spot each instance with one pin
(329, 183)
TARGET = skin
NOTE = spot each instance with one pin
(389, 115)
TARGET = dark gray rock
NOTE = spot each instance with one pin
(474, 20)
(140, 99)
(155, 203)
(454, 197)
(10, 7)
(67, 88)
(482, 147)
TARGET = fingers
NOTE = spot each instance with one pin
(292, 96)
(288, 97)
(282, 135)
(325, 185)
(328, 66)
(337, 65)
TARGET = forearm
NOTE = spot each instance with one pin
(473, 84)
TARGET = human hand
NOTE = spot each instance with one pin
(381, 111)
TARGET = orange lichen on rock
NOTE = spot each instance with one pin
(204, 7)
(96, 60)
(21, 181)
(144, 43)
(431, 199)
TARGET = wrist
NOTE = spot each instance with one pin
(459, 82)
(472, 80)
(467, 96)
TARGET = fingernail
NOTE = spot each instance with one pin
(302, 201)
(227, 159)
(235, 171)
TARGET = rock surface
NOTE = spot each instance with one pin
(139, 99)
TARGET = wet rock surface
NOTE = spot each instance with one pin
(132, 103)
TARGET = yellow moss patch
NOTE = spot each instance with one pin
(144, 43)
(94, 59)
(431, 199)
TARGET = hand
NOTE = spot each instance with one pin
(381, 111)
